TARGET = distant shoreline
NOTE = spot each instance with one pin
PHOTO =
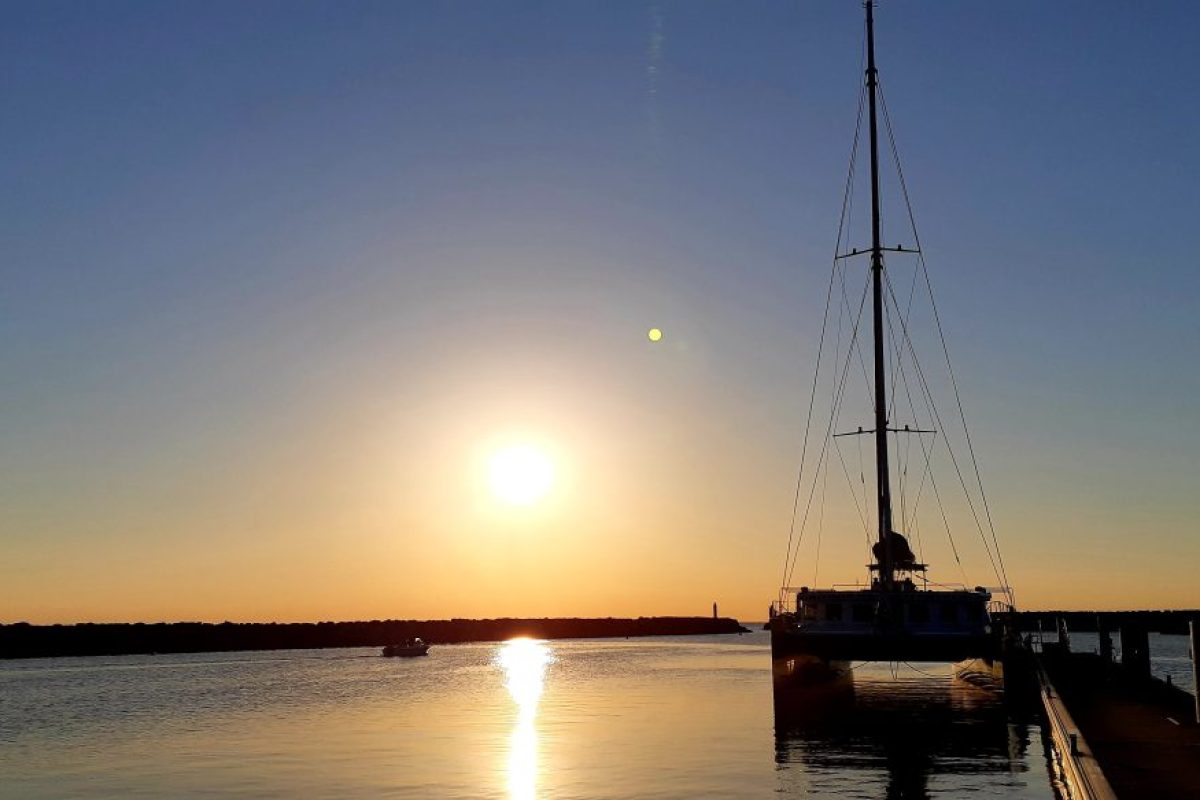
(22, 640)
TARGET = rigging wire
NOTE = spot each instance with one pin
(833, 417)
(942, 337)
(820, 523)
(843, 313)
(901, 454)
(862, 479)
(915, 530)
(787, 562)
(857, 344)
(931, 409)
(928, 455)
(845, 470)
(912, 512)
(922, 672)
(953, 459)
(856, 348)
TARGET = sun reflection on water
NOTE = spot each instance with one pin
(524, 662)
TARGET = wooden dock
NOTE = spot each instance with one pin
(1136, 736)
(1074, 759)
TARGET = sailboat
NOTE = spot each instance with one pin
(896, 616)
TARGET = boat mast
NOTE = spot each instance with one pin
(882, 479)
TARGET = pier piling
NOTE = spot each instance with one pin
(1135, 649)
(1064, 636)
(1105, 637)
(1194, 630)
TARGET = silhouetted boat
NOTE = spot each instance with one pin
(895, 617)
(409, 648)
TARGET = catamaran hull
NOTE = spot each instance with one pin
(804, 670)
(806, 660)
(986, 673)
(833, 647)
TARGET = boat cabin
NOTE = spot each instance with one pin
(917, 611)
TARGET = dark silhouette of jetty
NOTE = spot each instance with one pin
(22, 640)
(1159, 621)
(1134, 735)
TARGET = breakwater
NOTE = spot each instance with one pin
(22, 640)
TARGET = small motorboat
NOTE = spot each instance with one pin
(409, 648)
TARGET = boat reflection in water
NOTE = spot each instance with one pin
(893, 728)
(524, 662)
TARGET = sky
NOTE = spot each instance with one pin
(279, 279)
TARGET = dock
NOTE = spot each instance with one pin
(1118, 732)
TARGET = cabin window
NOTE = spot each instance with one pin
(861, 612)
(810, 610)
(974, 612)
(833, 612)
(918, 613)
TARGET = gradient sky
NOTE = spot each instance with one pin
(278, 277)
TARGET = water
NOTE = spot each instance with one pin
(641, 718)
(1169, 654)
(1170, 657)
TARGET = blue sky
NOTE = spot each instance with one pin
(236, 237)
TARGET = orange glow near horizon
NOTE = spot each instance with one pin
(665, 479)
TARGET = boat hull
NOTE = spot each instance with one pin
(986, 673)
(805, 669)
(394, 651)
(870, 646)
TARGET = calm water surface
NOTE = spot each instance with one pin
(1169, 655)
(641, 718)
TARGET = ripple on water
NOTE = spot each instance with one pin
(691, 716)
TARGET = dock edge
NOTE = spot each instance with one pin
(1078, 766)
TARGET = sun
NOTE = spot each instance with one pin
(520, 475)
